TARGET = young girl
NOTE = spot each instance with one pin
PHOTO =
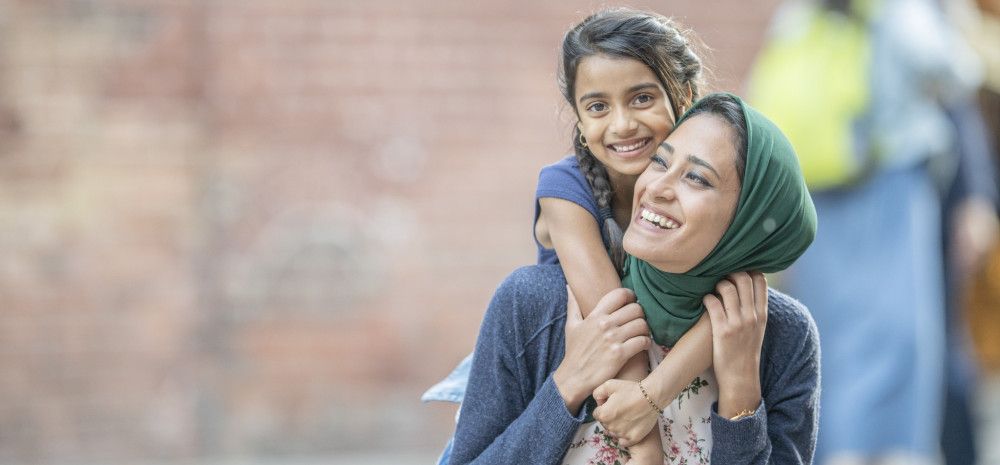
(628, 76)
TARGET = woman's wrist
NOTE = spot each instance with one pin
(572, 391)
(738, 396)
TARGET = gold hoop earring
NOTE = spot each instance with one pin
(583, 141)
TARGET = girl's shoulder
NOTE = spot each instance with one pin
(566, 168)
(563, 179)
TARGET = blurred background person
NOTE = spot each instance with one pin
(893, 148)
(977, 287)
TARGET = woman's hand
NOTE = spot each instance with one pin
(623, 411)
(738, 323)
(598, 346)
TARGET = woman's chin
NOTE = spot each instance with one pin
(638, 248)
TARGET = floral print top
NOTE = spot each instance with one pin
(685, 427)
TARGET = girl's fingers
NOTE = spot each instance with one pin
(601, 394)
(598, 414)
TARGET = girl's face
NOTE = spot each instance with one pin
(685, 200)
(624, 112)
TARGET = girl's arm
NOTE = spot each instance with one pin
(576, 237)
(590, 274)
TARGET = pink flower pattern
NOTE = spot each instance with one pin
(685, 428)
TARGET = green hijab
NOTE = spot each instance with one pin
(774, 223)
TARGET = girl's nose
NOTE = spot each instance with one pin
(624, 124)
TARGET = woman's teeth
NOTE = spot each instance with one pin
(629, 148)
(658, 220)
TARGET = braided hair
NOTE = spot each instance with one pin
(650, 38)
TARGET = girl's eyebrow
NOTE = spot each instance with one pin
(692, 158)
(635, 88)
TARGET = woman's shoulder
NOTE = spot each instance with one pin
(790, 326)
(534, 293)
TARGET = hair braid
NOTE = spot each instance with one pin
(600, 184)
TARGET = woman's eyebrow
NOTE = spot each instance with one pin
(700, 162)
(691, 158)
(635, 88)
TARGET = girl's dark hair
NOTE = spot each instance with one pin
(625, 33)
(727, 108)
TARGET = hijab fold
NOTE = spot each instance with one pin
(774, 223)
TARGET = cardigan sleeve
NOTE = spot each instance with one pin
(513, 413)
(784, 428)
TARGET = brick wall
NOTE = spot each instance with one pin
(263, 228)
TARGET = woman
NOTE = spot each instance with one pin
(725, 196)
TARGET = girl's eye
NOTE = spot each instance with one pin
(597, 107)
(643, 98)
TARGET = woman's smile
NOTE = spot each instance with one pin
(685, 199)
(649, 218)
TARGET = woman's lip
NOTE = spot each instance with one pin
(631, 153)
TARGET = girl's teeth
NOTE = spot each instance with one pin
(628, 148)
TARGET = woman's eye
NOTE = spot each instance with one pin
(699, 179)
(597, 107)
(643, 98)
(659, 161)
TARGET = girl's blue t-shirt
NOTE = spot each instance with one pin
(563, 180)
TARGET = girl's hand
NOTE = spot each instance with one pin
(738, 323)
(623, 411)
(598, 346)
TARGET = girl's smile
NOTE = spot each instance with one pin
(624, 113)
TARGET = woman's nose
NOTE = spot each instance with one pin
(662, 187)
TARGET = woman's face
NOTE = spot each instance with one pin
(624, 112)
(685, 200)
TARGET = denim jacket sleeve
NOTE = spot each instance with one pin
(784, 428)
(513, 412)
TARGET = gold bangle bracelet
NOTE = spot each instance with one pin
(648, 399)
(743, 414)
